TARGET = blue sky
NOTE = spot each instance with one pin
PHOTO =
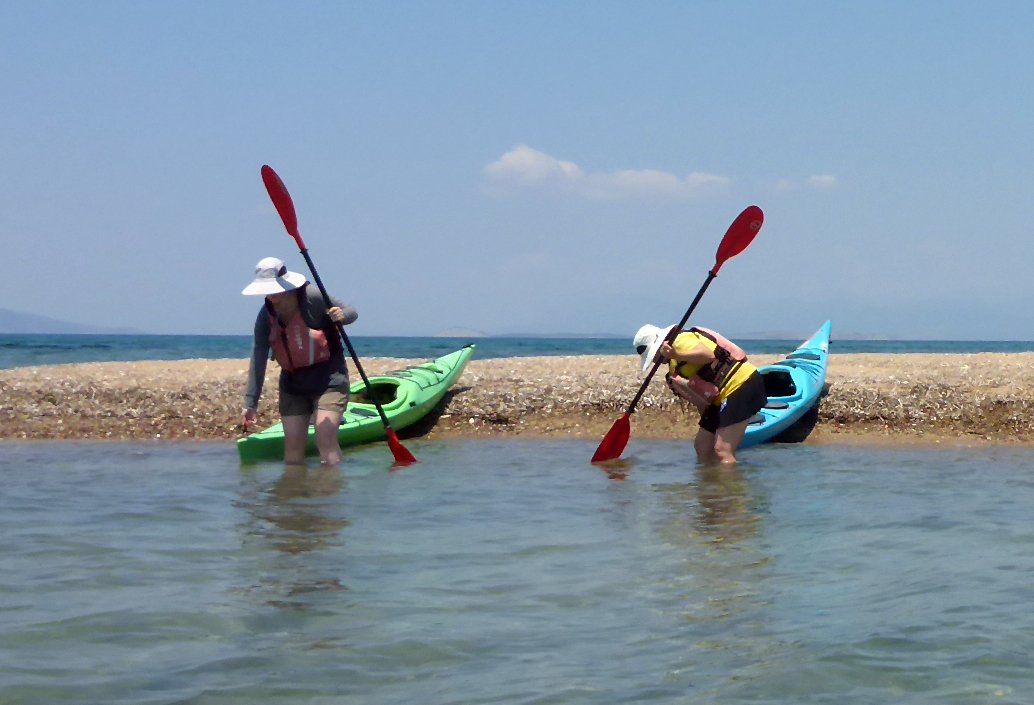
(524, 167)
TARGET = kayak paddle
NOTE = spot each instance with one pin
(737, 237)
(285, 207)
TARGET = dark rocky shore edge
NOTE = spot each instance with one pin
(961, 398)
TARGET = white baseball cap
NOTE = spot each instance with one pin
(272, 277)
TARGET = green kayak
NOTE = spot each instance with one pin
(406, 395)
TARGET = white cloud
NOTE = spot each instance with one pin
(523, 168)
(823, 182)
(525, 165)
(818, 182)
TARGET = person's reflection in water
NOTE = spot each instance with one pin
(304, 525)
(709, 576)
(723, 505)
(716, 508)
(294, 517)
(713, 567)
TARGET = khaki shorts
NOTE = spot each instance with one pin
(334, 399)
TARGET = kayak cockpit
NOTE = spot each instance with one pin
(778, 383)
(383, 392)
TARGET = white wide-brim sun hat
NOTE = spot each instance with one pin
(651, 336)
(272, 277)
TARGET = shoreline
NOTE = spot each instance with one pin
(894, 398)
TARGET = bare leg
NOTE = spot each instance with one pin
(719, 447)
(327, 423)
(296, 433)
(727, 440)
(704, 445)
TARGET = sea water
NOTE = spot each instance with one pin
(513, 571)
(24, 350)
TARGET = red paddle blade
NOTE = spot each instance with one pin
(402, 455)
(739, 235)
(280, 197)
(615, 441)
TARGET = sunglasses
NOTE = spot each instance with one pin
(640, 349)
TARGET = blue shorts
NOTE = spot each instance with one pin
(738, 407)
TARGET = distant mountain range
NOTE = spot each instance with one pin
(15, 322)
(471, 333)
(30, 324)
(575, 336)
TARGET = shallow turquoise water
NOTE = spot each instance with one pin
(515, 572)
(25, 349)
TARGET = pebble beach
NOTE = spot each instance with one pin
(960, 398)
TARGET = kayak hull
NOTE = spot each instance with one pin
(794, 385)
(406, 395)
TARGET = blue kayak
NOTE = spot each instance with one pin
(794, 386)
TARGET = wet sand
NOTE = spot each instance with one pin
(893, 398)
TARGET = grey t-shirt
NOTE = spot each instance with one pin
(305, 381)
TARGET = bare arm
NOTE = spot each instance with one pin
(699, 354)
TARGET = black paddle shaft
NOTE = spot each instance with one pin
(671, 338)
(344, 338)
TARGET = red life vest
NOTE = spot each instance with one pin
(295, 345)
(732, 350)
(709, 380)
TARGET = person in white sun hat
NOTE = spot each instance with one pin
(711, 372)
(297, 327)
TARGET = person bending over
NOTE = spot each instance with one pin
(712, 373)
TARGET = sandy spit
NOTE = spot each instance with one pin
(967, 398)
